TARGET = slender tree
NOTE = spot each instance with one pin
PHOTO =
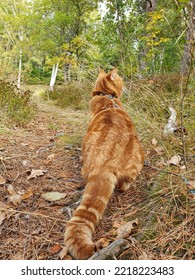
(188, 53)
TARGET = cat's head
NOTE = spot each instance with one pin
(108, 83)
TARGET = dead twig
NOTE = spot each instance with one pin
(38, 215)
(113, 250)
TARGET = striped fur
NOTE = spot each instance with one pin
(112, 157)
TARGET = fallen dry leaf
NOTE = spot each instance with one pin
(10, 189)
(175, 160)
(2, 180)
(55, 249)
(154, 142)
(51, 157)
(53, 196)
(118, 222)
(144, 256)
(27, 194)
(63, 253)
(183, 168)
(25, 163)
(36, 173)
(159, 150)
(2, 216)
(14, 197)
(126, 229)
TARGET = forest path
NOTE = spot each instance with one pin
(41, 166)
(31, 226)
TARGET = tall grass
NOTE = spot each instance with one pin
(167, 215)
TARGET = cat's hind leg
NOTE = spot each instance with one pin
(123, 184)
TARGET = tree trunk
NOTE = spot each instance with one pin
(19, 71)
(53, 76)
(67, 74)
(190, 39)
(150, 7)
(120, 27)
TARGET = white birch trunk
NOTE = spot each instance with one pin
(51, 81)
(19, 71)
(20, 62)
(53, 76)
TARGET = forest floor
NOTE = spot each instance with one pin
(41, 185)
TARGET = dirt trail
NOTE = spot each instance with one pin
(32, 227)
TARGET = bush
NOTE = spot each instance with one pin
(14, 105)
(73, 95)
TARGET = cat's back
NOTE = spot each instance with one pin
(112, 120)
(110, 138)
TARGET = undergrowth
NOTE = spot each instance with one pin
(167, 215)
(73, 95)
(15, 107)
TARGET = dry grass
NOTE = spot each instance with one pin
(167, 215)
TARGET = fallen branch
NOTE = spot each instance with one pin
(171, 125)
(112, 251)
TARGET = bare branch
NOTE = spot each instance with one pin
(113, 250)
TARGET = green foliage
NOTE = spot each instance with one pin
(38, 75)
(83, 36)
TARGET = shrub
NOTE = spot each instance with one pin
(15, 107)
(73, 95)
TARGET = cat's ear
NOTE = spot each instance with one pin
(101, 71)
(114, 74)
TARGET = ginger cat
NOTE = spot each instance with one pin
(112, 157)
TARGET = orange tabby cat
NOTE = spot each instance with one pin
(112, 157)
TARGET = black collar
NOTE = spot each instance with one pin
(110, 96)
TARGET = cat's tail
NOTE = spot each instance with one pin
(79, 230)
